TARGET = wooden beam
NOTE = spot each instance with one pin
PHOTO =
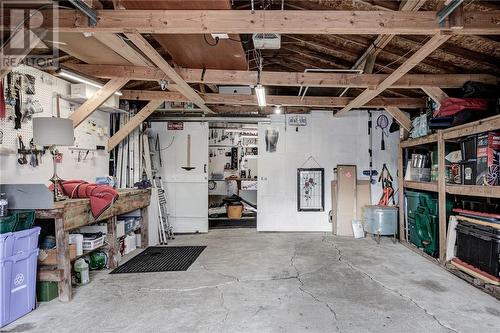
(426, 49)
(133, 123)
(162, 64)
(435, 93)
(101, 96)
(237, 99)
(400, 117)
(263, 21)
(121, 47)
(287, 79)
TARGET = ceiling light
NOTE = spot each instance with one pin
(78, 78)
(278, 109)
(261, 95)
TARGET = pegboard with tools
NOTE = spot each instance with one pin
(31, 93)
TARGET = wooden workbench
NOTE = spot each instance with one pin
(74, 213)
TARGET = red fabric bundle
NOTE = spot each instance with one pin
(101, 196)
(451, 106)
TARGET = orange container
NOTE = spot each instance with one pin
(234, 212)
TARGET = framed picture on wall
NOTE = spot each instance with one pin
(310, 189)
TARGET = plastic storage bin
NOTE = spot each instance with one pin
(17, 286)
(13, 243)
(479, 246)
(25, 219)
(426, 232)
(8, 223)
(380, 220)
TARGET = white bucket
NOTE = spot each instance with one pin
(78, 240)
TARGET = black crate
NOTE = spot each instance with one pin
(468, 146)
(479, 246)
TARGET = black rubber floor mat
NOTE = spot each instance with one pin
(161, 259)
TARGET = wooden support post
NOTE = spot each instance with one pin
(63, 260)
(402, 221)
(426, 49)
(112, 243)
(442, 196)
(133, 123)
(101, 96)
(144, 228)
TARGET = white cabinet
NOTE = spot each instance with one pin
(187, 191)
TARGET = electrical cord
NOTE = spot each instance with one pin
(206, 40)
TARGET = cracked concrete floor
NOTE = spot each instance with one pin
(246, 281)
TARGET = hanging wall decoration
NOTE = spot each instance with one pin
(272, 135)
(310, 189)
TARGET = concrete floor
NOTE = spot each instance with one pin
(246, 281)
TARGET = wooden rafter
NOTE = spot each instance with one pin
(435, 93)
(426, 49)
(286, 21)
(400, 116)
(121, 47)
(163, 65)
(290, 79)
(133, 123)
(101, 96)
(308, 101)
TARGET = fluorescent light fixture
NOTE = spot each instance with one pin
(242, 130)
(278, 109)
(78, 78)
(248, 136)
(261, 95)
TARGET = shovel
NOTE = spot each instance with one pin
(188, 167)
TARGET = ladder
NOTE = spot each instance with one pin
(165, 230)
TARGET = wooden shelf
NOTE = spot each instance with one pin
(425, 140)
(424, 186)
(480, 126)
(474, 190)
(103, 108)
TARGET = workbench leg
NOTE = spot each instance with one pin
(144, 227)
(63, 261)
(112, 243)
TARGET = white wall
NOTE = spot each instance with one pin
(330, 141)
(96, 163)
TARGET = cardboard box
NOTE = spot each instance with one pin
(51, 258)
(82, 90)
(488, 152)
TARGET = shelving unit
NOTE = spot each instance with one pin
(441, 187)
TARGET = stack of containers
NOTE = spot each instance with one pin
(18, 264)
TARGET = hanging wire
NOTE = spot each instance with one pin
(404, 55)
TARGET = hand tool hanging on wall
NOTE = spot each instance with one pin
(370, 172)
(387, 190)
(3, 111)
(22, 151)
(17, 106)
(382, 123)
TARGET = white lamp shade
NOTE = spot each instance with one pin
(49, 131)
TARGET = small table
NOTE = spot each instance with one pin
(74, 213)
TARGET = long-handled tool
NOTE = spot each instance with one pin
(382, 123)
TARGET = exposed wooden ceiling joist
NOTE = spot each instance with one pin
(367, 95)
(158, 60)
(291, 79)
(279, 21)
(307, 101)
